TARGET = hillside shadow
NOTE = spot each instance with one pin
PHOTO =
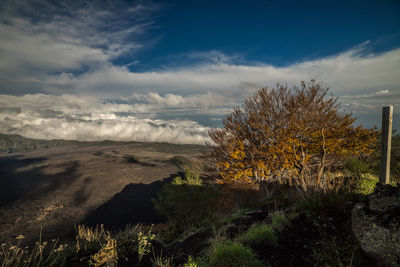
(131, 159)
(24, 178)
(132, 205)
(82, 194)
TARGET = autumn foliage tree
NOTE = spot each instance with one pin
(286, 135)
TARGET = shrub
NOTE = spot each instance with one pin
(356, 166)
(366, 184)
(290, 136)
(232, 254)
(279, 220)
(187, 202)
(258, 235)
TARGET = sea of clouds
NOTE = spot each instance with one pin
(143, 117)
(89, 118)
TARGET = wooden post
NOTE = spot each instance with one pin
(387, 118)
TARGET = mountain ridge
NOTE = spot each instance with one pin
(10, 143)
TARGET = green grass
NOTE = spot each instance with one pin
(366, 184)
(188, 202)
(232, 254)
(191, 179)
(279, 220)
(199, 262)
(257, 235)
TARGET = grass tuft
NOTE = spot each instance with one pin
(279, 220)
(257, 235)
(232, 254)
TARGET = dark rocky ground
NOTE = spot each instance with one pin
(56, 188)
(50, 190)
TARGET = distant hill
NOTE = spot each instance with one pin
(17, 143)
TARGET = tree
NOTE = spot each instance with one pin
(286, 135)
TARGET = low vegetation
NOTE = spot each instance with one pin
(232, 254)
(259, 235)
(187, 202)
(243, 246)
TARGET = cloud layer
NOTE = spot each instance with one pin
(144, 117)
(72, 48)
(88, 118)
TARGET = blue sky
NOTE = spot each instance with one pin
(277, 32)
(170, 70)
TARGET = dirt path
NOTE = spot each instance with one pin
(57, 188)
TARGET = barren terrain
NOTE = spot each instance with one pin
(100, 183)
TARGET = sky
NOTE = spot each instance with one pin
(169, 71)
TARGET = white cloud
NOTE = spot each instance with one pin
(88, 118)
(371, 103)
(346, 73)
(47, 50)
(208, 99)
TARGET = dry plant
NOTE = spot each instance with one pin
(287, 136)
(91, 239)
(42, 253)
(107, 254)
(160, 261)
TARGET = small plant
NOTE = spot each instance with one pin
(366, 184)
(187, 202)
(190, 263)
(232, 254)
(191, 179)
(159, 261)
(91, 239)
(107, 254)
(356, 166)
(279, 220)
(258, 235)
(144, 243)
(135, 241)
(42, 254)
(198, 262)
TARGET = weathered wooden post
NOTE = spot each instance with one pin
(387, 118)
